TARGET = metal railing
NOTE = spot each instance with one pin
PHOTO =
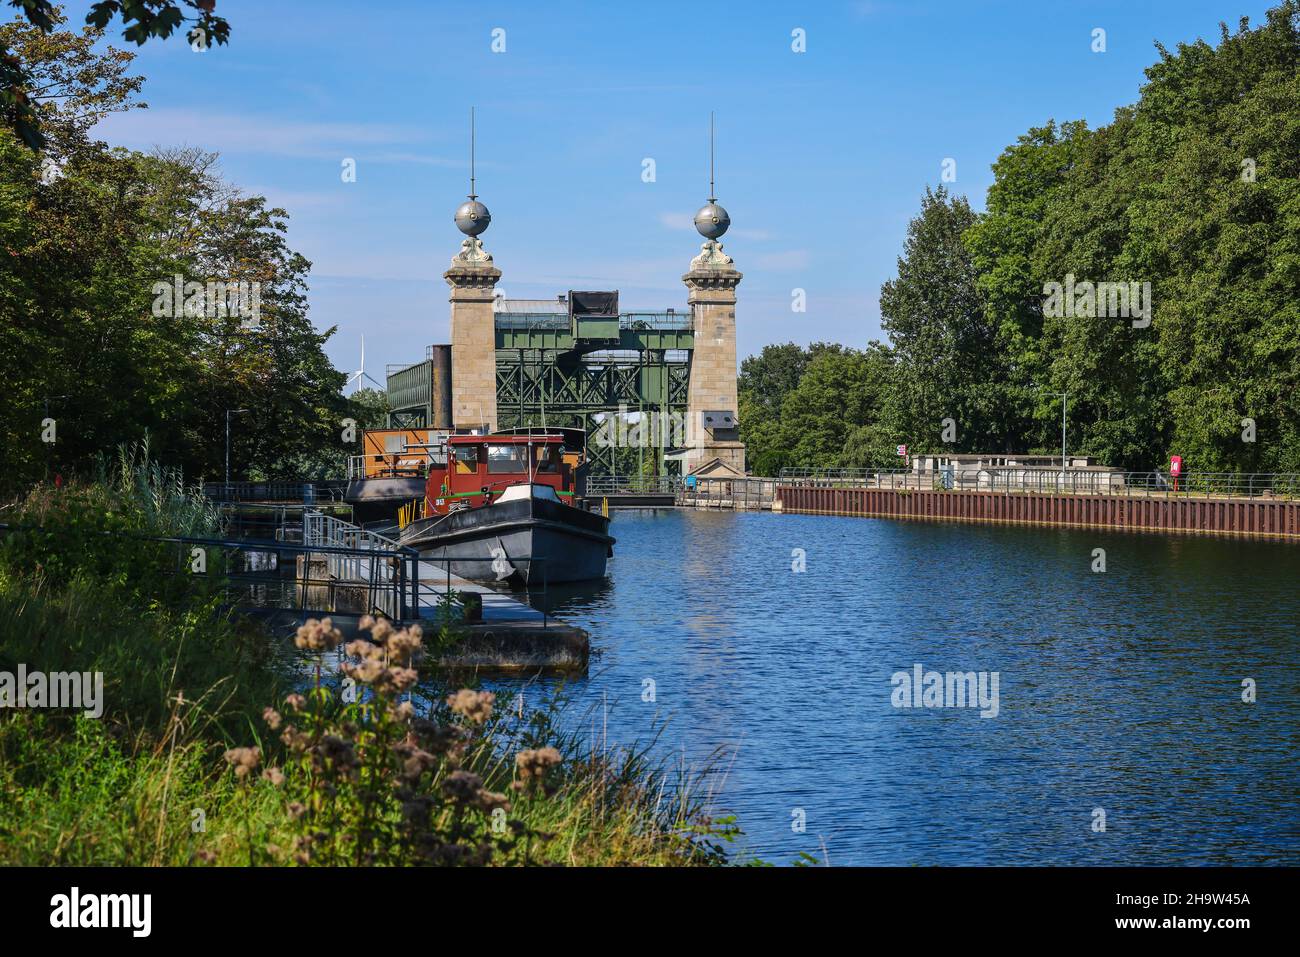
(264, 574)
(1074, 481)
(604, 484)
(353, 555)
(749, 492)
(560, 321)
(408, 464)
(306, 492)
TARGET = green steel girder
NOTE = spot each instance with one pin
(566, 388)
(561, 340)
(533, 382)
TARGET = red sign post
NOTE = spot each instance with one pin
(1175, 468)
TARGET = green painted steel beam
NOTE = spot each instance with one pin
(562, 340)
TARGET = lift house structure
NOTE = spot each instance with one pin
(660, 382)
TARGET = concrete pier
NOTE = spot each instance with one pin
(513, 636)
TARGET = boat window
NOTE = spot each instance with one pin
(507, 458)
(547, 458)
(466, 459)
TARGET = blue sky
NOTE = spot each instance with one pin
(821, 157)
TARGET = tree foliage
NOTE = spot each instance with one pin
(88, 238)
(1195, 189)
(21, 87)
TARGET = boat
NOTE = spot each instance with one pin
(502, 507)
(391, 471)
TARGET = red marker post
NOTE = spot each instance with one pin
(1175, 468)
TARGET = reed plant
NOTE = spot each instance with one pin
(214, 749)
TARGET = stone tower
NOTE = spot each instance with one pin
(473, 280)
(711, 403)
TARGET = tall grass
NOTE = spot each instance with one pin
(192, 761)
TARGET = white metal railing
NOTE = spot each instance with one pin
(354, 555)
(1078, 480)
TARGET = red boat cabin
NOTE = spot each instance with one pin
(480, 467)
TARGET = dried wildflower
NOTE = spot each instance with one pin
(380, 630)
(463, 785)
(488, 801)
(402, 713)
(369, 672)
(403, 678)
(318, 635)
(416, 762)
(360, 648)
(474, 705)
(274, 775)
(206, 856)
(296, 809)
(405, 647)
(294, 739)
(337, 750)
(295, 702)
(272, 718)
(244, 760)
(532, 765)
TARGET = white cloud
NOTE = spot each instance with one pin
(678, 221)
(250, 133)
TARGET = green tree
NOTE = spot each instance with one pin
(89, 247)
(946, 364)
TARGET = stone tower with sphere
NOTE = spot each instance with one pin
(578, 362)
(473, 279)
(712, 428)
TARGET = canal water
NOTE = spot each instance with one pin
(1119, 696)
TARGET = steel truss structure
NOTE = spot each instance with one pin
(547, 375)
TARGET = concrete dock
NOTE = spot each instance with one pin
(513, 636)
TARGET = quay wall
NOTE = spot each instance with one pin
(1255, 517)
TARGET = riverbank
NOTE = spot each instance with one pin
(214, 744)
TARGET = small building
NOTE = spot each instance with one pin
(1018, 471)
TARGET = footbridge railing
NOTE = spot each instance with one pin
(335, 572)
(1073, 481)
(358, 557)
(606, 485)
(308, 493)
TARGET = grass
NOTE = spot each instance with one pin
(192, 761)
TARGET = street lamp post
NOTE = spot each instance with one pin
(229, 413)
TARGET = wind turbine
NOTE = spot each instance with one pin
(361, 373)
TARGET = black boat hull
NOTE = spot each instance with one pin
(535, 540)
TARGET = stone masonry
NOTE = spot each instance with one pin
(711, 285)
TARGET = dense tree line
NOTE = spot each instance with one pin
(94, 338)
(1189, 201)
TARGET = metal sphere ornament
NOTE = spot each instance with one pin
(472, 218)
(712, 220)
